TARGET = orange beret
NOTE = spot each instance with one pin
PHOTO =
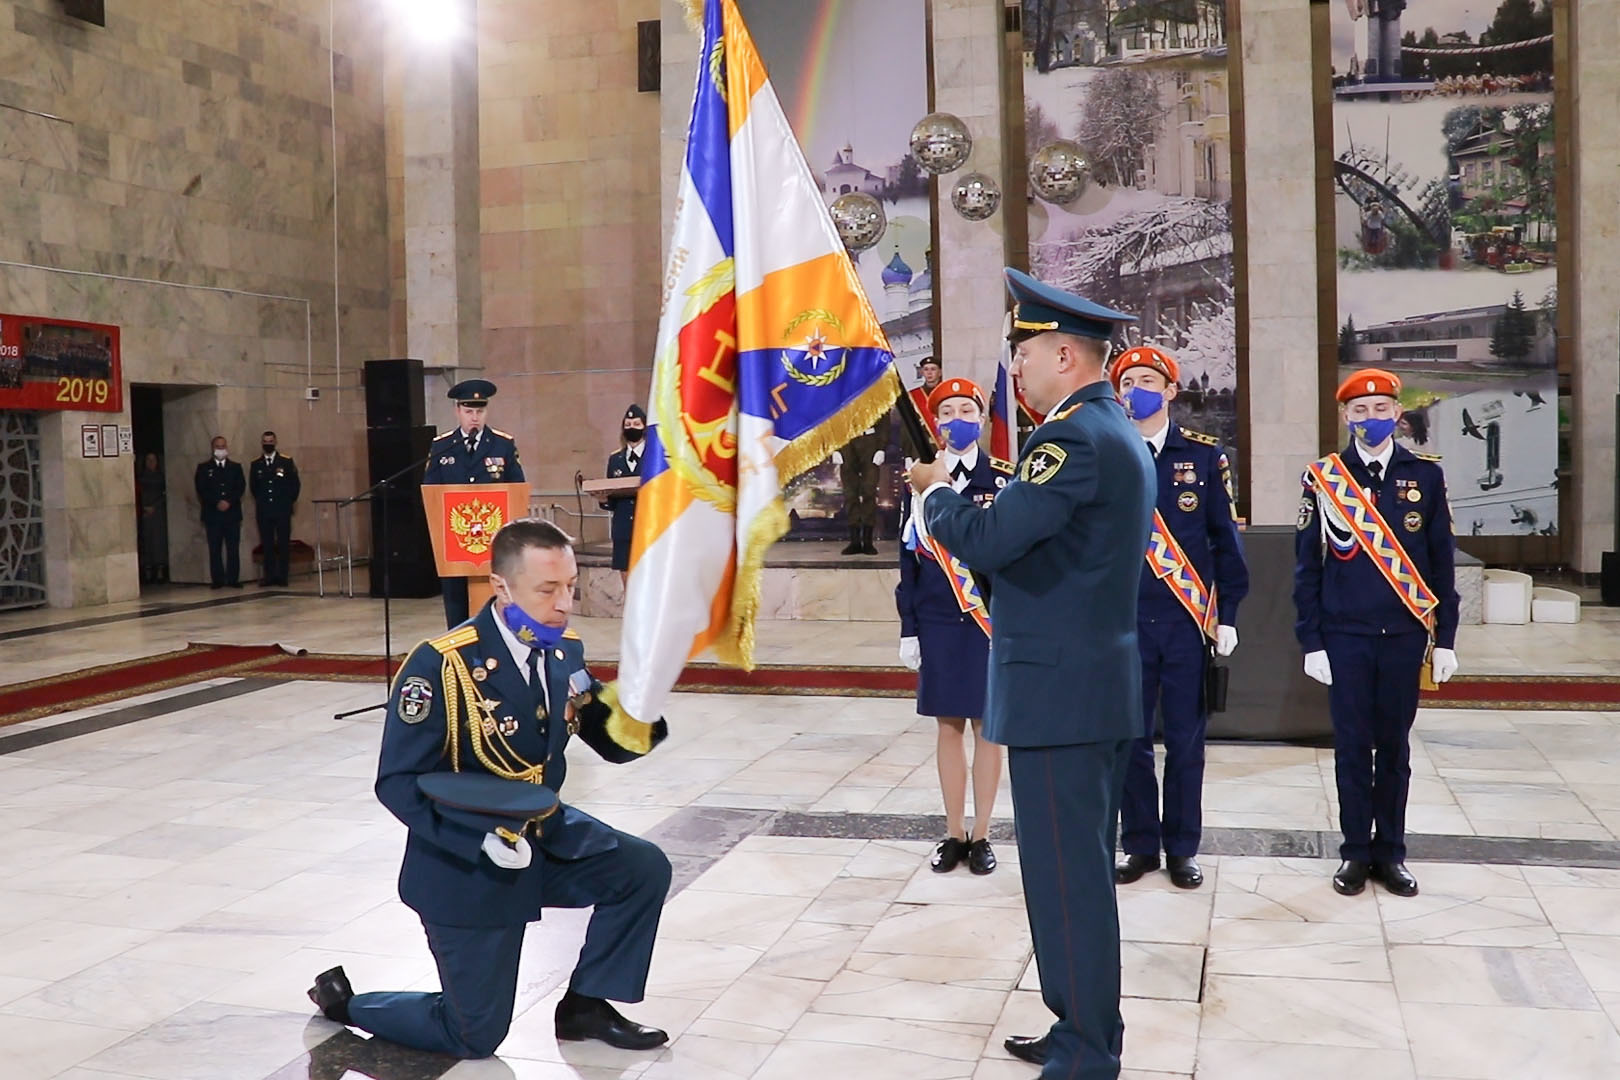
(949, 388)
(1371, 382)
(1145, 356)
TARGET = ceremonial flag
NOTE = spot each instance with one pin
(768, 358)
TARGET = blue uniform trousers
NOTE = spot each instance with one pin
(454, 591)
(1374, 699)
(1066, 805)
(1173, 657)
(478, 965)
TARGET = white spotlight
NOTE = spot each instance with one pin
(431, 20)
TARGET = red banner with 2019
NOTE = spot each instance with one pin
(59, 364)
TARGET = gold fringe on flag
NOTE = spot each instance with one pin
(735, 646)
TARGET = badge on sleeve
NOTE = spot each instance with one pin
(1307, 511)
(1043, 463)
(415, 699)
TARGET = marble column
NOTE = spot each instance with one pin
(439, 138)
(1280, 192)
(967, 281)
(1594, 31)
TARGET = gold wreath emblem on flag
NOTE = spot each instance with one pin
(475, 525)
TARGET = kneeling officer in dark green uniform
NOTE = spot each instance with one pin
(497, 699)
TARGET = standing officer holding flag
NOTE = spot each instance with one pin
(1375, 590)
(1187, 603)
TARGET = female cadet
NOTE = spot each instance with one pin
(948, 647)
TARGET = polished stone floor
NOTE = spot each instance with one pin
(178, 866)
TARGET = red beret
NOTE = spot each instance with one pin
(949, 388)
(1370, 382)
(1145, 356)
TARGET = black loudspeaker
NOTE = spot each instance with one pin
(394, 395)
(91, 11)
(408, 553)
(1609, 585)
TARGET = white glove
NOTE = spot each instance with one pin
(877, 458)
(910, 653)
(1445, 664)
(507, 856)
(1318, 668)
(837, 458)
(1225, 640)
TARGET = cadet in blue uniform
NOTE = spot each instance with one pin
(948, 648)
(220, 485)
(1201, 553)
(627, 462)
(1366, 636)
(273, 478)
(501, 696)
(1062, 546)
(471, 453)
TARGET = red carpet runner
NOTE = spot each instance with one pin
(197, 663)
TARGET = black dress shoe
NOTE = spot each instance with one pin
(580, 1018)
(331, 994)
(1184, 871)
(948, 855)
(1134, 867)
(1351, 878)
(1396, 878)
(1027, 1048)
(980, 858)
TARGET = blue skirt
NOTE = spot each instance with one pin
(955, 668)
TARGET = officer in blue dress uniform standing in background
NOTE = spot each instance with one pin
(1187, 602)
(470, 453)
(1375, 591)
(626, 462)
(1062, 546)
(948, 648)
(499, 698)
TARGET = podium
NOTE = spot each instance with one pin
(462, 522)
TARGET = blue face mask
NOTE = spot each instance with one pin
(1373, 432)
(961, 434)
(529, 630)
(1141, 403)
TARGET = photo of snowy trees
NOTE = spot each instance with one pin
(1142, 86)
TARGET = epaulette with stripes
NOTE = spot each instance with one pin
(458, 638)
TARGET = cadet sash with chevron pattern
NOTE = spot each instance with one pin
(1332, 480)
(1170, 565)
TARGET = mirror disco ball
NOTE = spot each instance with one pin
(976, 196)
(1059, 172)
(940, 142)
(860, 220)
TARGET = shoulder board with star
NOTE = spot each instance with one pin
(1199, 437)
(1436, 458)
(455, 639)
(1000, 466)
(445, 434)
(502, 434)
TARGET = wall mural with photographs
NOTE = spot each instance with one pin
(1142, 87)
(852, 77)
(1447, 239)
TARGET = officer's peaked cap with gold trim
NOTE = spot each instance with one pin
(472, 392)
(1039, 309)
(486, 802)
